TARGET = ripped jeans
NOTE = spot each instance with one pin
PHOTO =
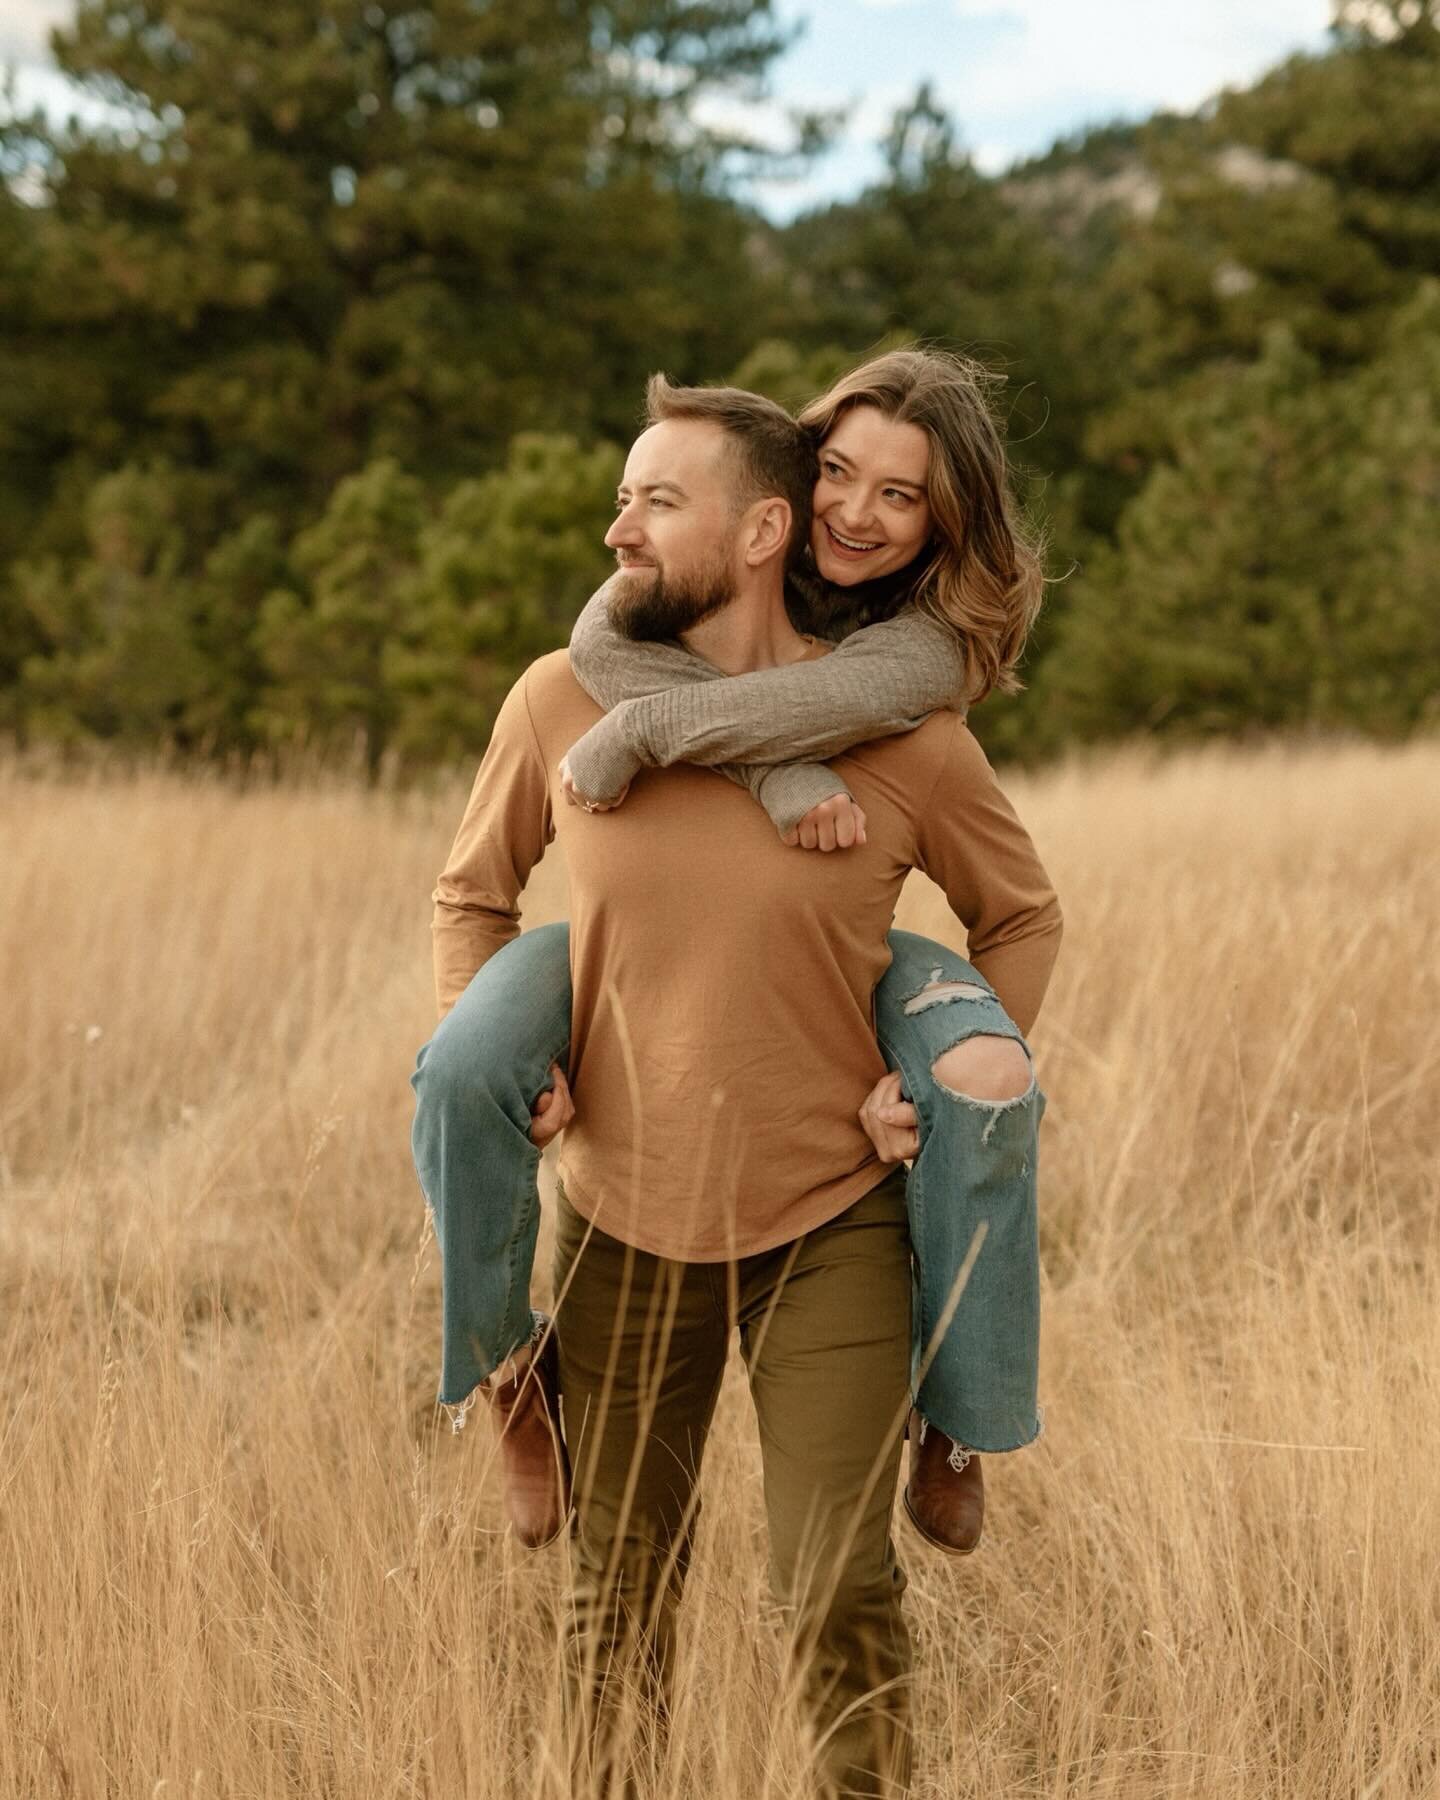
(975, 1347)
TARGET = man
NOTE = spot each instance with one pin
(715, 1174)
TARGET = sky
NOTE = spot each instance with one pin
(1015, 74)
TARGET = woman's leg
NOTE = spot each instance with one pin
(475, 1082)
(976, 1349)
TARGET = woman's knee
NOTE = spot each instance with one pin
(462, 1059)
(984, 1067)
(949, 1018)
(507, 1027)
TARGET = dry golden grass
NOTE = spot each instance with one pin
(242, 1556)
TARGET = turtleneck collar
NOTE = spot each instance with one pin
(817, 605)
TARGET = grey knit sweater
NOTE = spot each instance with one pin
(768, 730)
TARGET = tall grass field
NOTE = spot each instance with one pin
(242, 1553)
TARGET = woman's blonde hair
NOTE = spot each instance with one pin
(983, 575)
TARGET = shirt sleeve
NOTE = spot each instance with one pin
(970, 842)
(503, 834)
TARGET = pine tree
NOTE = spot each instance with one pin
(1278, 569)
(123, 655)
(319, 239)
(325, 645)
(405, 626)
(328, 236)
(503, 572)
(1311, 199)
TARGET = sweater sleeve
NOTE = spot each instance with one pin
(503, 834)
(882, 680)
(971, 843)
(615, 670)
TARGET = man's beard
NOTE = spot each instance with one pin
(665, 606)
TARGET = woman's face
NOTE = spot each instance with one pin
(872, 515)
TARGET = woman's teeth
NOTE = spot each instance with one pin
(849, 543)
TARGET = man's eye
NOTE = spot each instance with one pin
(657, 501)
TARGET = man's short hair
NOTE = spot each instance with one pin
(770, 454)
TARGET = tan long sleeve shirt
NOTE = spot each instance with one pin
(722, 1029)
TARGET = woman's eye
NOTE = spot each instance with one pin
(832, 471)
(897, 494)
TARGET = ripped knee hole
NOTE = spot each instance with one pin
(984, 1068)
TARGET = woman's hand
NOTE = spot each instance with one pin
(890, 1122)
(552, 1111)
(576, 798)
(835, 824)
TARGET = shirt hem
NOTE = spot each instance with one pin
(838, 1199)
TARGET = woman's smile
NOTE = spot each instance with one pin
(850, 546)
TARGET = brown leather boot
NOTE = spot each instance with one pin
(945, 1495)
(525, 1405)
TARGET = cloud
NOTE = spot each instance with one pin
(1018, 74)
(1129, 53)
(25, 27)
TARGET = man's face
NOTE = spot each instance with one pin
(674, 535)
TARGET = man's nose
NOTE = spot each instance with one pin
(624, 529)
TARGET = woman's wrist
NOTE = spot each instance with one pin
(602, 763)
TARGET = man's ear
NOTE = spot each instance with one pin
(768, 530)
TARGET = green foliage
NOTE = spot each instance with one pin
(1311, 200)
(404, 631)
(1280, 569)
(780, 370)
(124, 653)
(312, 369)
(328, 237)
(325, 647)
(503, 572)
(1408, 22)
(322, 243)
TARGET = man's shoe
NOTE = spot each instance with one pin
(945, 1495)
(525, 1405)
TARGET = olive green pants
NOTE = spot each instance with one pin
(824, 1328)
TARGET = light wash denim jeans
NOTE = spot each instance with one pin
(975, 1358)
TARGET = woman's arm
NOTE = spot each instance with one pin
(669, 706)
(614, 670)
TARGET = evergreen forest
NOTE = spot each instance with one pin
(318, 359)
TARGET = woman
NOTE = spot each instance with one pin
(915, 550)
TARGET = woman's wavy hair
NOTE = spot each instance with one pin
(983, 576)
